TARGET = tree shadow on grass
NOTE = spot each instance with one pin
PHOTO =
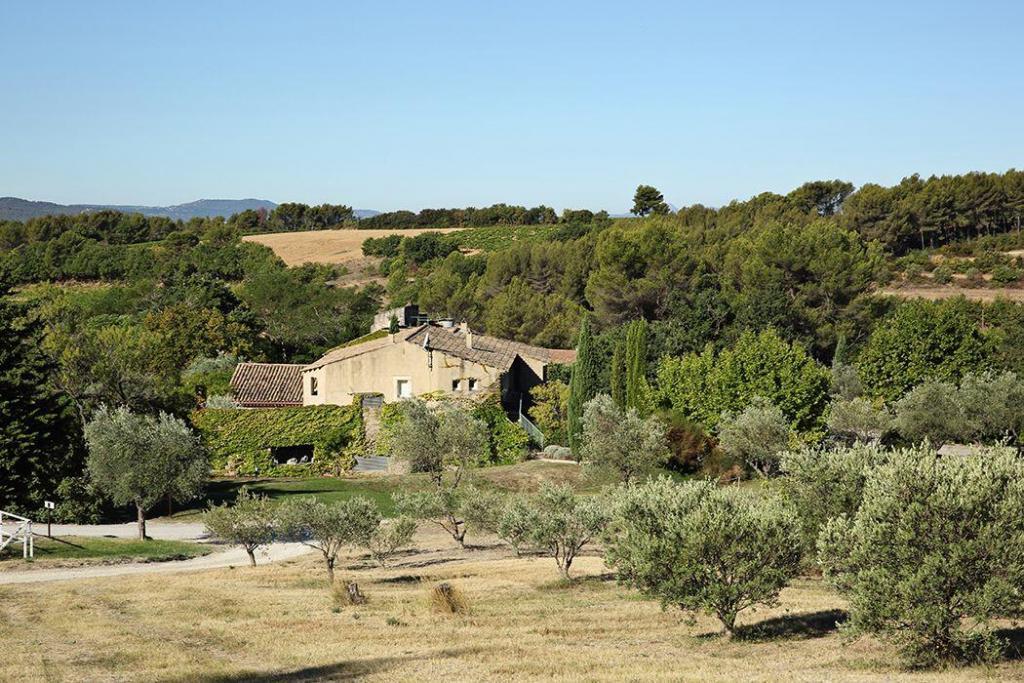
(1013, 639)
(339, 671)
(801, 626)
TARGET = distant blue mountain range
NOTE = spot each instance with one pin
(15, 209)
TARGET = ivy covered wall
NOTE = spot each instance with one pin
(240, 440)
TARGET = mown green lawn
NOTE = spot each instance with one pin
(63, 548)
(527, 476)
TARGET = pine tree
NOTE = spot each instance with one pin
(584, 383)
(618, 374)
(636, 366)
(39, 437)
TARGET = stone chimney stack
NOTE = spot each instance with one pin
(464, 326)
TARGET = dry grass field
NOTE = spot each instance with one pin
(936, 292)
(325, 246)
(280, 623)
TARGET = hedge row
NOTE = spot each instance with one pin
(239, 440)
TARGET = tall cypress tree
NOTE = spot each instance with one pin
(584, 384)
(636, 365)
(618, 374)
(39, 435)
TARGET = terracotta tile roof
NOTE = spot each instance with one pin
(266, 385)
(351, 350)
(489, 351)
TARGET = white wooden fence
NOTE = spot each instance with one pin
(21, 529)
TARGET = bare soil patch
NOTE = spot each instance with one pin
(326, 246)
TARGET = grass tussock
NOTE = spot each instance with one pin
(446, 598)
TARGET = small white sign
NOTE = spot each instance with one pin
(49, 504)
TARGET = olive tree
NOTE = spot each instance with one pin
(859, 419)
(934, 553)
(703, 548)
(329, 527)
(757, 435)
(621, 441)
(251, 522)
(824, 483)
(389, 537)
(443, 442)
(931, 411)
(516, 521)
(562, 523)
(142, 459)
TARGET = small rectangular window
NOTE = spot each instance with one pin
(403, 388)
(472, 384)
(312, 386)
(455, 384)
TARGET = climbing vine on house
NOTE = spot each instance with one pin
(240, 441)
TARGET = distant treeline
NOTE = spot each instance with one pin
(915, 214)
(498, 214)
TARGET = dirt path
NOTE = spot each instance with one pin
(229, 557)
(164, 531)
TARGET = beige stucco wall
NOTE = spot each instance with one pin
(376, 371)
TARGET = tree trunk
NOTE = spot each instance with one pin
(252, 556)
(170, 508)
(354, 596)
(141, 520)
(330, 570)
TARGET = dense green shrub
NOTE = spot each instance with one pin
(703, 548)
(708, 384)
(239, 441)
(922, 340)
(934, 553)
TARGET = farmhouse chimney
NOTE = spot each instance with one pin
(464, 326)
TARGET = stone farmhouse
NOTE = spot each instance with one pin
(424, 358)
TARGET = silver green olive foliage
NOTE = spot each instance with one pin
(389, 537)
(562, 523)
(250, 522)
(858, 419)
(142, 459)
(930, 411)
(442, 441)
(441, 506)
(703, 548)
(757, 435)
(933, 554)
(621, 441)
(329, 527)
(518, 518)
(984, 407)
(824, 483)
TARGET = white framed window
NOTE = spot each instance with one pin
(403, 387)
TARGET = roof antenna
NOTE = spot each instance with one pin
(426, 340)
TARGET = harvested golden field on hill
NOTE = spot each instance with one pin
(325, 246)
(281, 623)
(935, 292)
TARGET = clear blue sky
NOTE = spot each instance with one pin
(392, 105)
